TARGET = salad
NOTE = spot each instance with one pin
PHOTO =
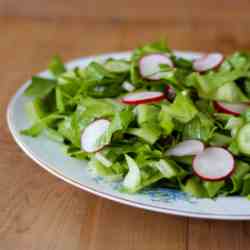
(154, 119)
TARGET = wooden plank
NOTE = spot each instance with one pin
(120, 227)
(184, 11)
(218, 235)
(38, 211)
(188, 37)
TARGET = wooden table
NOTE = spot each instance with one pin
(39, 211)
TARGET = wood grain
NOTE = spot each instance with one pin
(213, 11)
(38, 211)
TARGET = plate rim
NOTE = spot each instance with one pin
(115, 198)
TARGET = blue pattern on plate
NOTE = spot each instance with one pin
(154, 194)
(167, 195)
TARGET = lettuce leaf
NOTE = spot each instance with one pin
(195, 187)
(182, 109)
(147, 113)
(56, 66)
(200, 128)
(149, 132)
(213, 187)
(40, 87)
(120, 123)
(242, 169)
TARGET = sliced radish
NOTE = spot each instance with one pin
(213, 164)
(143, 97)
(188, 147)
(231, 108)
(169, 93)
(92, 133)
(149, 66)
(207, 62)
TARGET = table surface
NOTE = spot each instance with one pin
(39, 211)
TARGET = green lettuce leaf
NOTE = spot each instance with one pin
(166, 121)
(208, 84)
(149, 132)
(246, 185)
(147, 113)
(120, 123)
(40, 87)
(56, 66)
(213, 187)
(195, 187)
(200, 128)
(237, 178)
(182, 109)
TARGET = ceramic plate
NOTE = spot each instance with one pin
(49, 155)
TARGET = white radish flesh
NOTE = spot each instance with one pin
(149, 66)
(92, 133)
(213, 164)
(207, 62)
(185, 148)
(231, 108)
(143, 97)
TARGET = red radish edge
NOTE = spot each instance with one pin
(186, 148)
(169, 93)
(149, 65)
(215, 163)
(93, 135)
(230, 108)
(207, 62)
(143, 97)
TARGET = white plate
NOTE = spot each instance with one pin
(49, 155)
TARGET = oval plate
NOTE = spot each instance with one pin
(51, 157)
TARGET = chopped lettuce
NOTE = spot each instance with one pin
(149, 132)
(237, 178)
(40, 87)
(182, 109)
(56, 66)
(194, 187)
(119, 123)
(200, 128)
(166, 121)
(136, 142)
(147, 113)
(213, 187)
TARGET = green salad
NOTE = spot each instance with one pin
(152, 120)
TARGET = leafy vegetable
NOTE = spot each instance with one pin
(40, 87)
(201, 128)
(139, 136)
(56, 66)
(182, 109)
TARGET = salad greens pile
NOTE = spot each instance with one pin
(134, 147)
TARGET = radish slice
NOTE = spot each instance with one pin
(188, 147)
(207, 62)
(231, 108)
(92, 133)
(149, 66)
(143, 97)
(169, 93)
(213, 164)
